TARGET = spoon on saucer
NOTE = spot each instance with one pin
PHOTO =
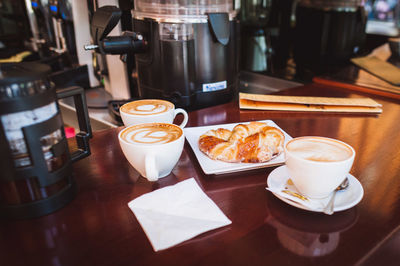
(329, 207)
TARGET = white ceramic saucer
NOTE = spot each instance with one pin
(344, 199)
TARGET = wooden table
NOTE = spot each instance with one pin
(98, 228)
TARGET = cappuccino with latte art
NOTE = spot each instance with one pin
(156, 133)
(147, 107)
(153, 149)
(150, 111)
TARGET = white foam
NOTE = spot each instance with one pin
(143, 136)
(149, 109)
(319, 150)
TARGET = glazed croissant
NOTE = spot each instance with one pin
(255, 142)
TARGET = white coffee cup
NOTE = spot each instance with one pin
(153, 149)
(150, 111)
(318, 165)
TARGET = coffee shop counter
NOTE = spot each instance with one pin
(98, 228)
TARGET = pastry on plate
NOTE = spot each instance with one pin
(255, 142)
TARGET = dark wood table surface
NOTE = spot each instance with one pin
(98, 228)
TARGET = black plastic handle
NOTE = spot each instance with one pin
(82, 138)
(122, 45)
(219, 24)
(104, 21)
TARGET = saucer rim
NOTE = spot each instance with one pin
(354, 181)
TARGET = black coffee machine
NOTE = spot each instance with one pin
(256, 50)
(36, 163)
(53, 34)
(327, 34)
(185, 53)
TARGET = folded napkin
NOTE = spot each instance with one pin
(174, 214)
(311, 204)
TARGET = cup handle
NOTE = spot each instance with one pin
(150, 167)
(82, 138)
(185, 116)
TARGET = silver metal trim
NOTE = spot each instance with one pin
(337, 9)
(178, 19)
(89, 47)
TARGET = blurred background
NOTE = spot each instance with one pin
(293, 40)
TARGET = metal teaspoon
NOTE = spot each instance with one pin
(329, 207)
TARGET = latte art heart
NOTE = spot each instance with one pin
(147, 107)
(157, 133)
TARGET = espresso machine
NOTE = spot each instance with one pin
(63, 26)
(43, 34)
(327, 34)
(53, 35)
(185, 51)
(256, 50)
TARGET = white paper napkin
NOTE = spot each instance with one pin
(312, 204)
(174, 214)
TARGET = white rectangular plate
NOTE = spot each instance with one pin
(216, 167)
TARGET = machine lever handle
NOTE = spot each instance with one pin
(119, 45)
(103, 21)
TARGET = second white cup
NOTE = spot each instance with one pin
(151, 111)
(317, 165)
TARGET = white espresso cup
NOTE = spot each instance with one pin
(318, 165)
(150, 111)
(153, 149)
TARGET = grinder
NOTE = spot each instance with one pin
(328, 33)
(185, 51)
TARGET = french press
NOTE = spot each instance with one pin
(36, 175)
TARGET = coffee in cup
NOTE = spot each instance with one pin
(318, 165)
(150, 111)
(153, 149)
